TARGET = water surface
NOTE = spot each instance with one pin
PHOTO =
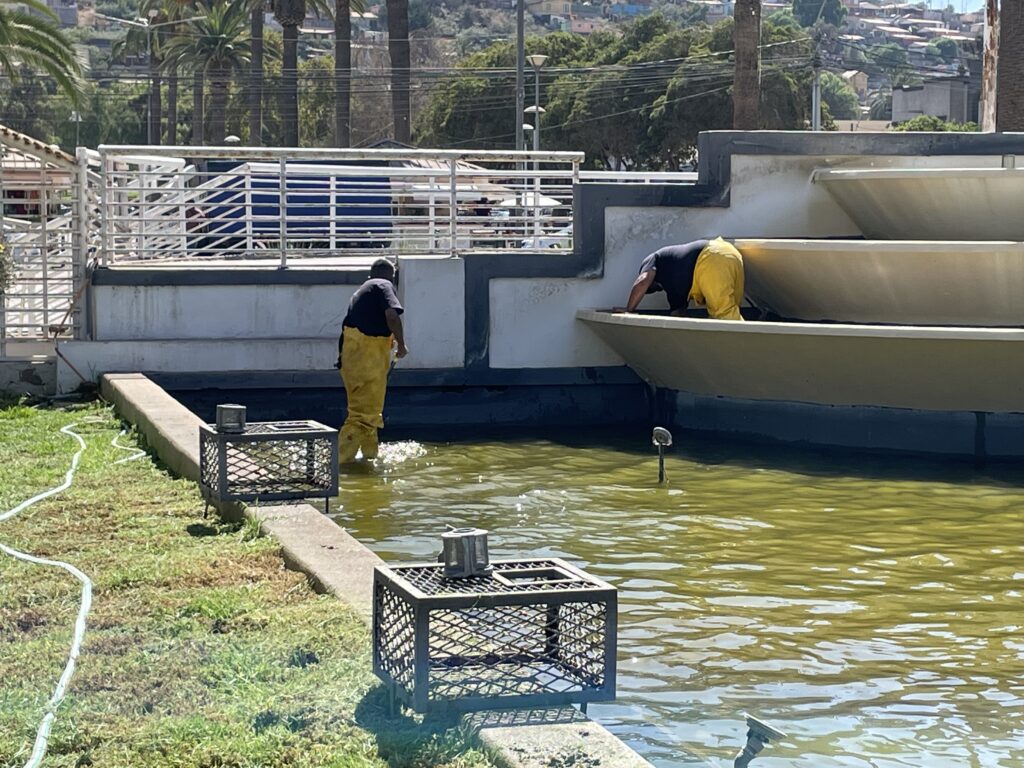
(871, 608)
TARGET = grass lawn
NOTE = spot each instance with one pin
(201, 649)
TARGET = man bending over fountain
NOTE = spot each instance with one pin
(372, 327)
(708, 271)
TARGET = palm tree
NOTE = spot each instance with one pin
(30, 38)
(342, 72)
(290, 14)
(746, 88)
(258, 8)
(175, 9)
(141, 40)
(218, 46)
(398, 48)
(1010, 65)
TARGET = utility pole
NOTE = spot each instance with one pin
(520, 67)
(816, 89)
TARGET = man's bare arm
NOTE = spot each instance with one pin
(394, 321)
(639, 289)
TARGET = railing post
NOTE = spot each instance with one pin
(80, 250)
(333, 216)
(3, 294)
(104, 209)
(44, 244)
(250, 213)
(536, 200)
(283, 211)
(453, 206)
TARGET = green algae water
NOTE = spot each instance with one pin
(870, 608)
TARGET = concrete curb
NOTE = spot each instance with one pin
(338, 564)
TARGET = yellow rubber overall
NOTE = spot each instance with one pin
(718, 280)
(365, 362)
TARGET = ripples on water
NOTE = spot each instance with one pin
(871, 609)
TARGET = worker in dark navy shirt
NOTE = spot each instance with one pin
(708, 271)
(371, 332)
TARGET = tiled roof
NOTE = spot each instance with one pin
(35, 147)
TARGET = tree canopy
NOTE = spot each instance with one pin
(638, 100)
(810, 12)
(841, 98)
(932, 123)
(31, 41)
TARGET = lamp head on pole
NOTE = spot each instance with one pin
(537, 60)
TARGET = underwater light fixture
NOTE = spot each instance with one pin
(662, 438)
(230, 418)
(464, 553)
(759, 733)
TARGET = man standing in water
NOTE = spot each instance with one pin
(708, 271)
(372, 327)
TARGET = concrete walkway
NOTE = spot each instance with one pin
(339, 565)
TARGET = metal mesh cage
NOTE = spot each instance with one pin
(270, 461)
(533, 633)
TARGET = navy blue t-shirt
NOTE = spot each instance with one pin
(368, 304)
(673, 268)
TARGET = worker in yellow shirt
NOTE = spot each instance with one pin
(708, 271)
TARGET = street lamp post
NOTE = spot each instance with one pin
(76, 118)
(153, 124)
(537, 61)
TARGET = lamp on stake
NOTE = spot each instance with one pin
(662, 438)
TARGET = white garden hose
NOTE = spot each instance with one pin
(139, 453)
(43, 733)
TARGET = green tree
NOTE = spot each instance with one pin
(841, 98)
(316, 103)
(112, 114)
(30, 40)
(891, 60)
(290, 14)
(398, 50)
(881, 107)
(948, 49)
(932, 123)
(746, 95)
(217, 47)
(257, 9)
(810, 12)
(632, 101)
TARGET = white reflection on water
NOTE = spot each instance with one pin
(869, 609)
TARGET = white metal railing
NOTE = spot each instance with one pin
(210, 205)
(638, 177)
(44, 213)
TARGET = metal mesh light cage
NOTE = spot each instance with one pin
(532, 633)
(269, 461)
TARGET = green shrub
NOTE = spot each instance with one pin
(6, 267)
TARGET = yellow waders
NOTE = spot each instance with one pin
(718, 280)
(365, 362)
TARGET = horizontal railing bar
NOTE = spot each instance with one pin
(110, 151)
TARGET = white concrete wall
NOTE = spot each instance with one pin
(263, 327)
(771, 196)
(432, 292)
(533, 321)
(124, 313)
